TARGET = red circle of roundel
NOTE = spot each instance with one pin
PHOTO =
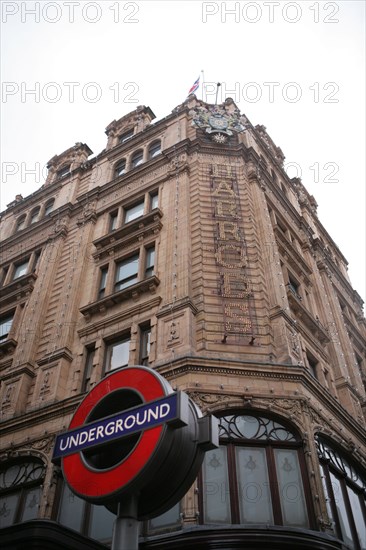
(93, 483)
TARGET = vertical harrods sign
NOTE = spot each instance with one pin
(230, 252)
(220, 122)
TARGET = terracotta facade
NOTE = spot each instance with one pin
(246, 300)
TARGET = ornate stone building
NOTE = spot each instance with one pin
(184, 246)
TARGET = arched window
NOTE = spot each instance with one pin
(137, 158)
(34, 215)
(256, 476)
(154, 149)
(20, 490)
(345, 492)
(49, 206)
(20, 223)
(120, 168)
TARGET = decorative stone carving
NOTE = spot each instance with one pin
(218, 122)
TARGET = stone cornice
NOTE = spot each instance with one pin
(62, 353)
(127, 313)
(169, 309)
(40, 415)
(266, 370)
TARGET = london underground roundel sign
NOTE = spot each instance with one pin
(133, 435)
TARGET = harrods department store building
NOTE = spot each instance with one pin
(184, 246)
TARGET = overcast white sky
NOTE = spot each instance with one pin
(295, 67)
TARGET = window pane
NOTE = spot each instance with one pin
(34, 216)
(20, 223)
(154, 201)
(134, 212)
(88, 368)
(20, 270)
(216, 496)
(113, 221)
(121, 168)
(137, 159)
(290, 488)
(358, 516)
(254, 490)
(126, 273)
(127, 135)
(5, 326)
(118, 354)
(341, 509)
(154, 149)
(32, 500)
(145, 346)
(48, 208)
(71, 509)
(171, 517)
(150, 260)
(103, 282)
(8, 506)
(101, 523)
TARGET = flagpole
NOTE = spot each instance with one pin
(217, 91)
(203, 83)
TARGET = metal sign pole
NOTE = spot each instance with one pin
(126, 526)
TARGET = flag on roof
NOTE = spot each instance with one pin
(195, 86)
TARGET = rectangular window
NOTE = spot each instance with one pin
(117, 354)
(126, 273)
(154, 201)
(150, 260)
(5, 326)
(90, 354)
(113, 216)
(145, 345)
(20, 269)
(103, 282)
(134, 212)
(312, 363)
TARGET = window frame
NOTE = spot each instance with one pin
(126, 135)
(34, 216)
(48, 207)
(103, 281)
(118, 170)
(19, 264)
(145, 344)
(20, 223)
(335, 463)
(127, 210)
(154, 149)
(9, 315)
(131, 279)
(137, 158)
(22, 489)
(90, 351)
(124, 338)
(231, 443)
(64, 171)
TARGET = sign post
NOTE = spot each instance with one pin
(135, 446)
